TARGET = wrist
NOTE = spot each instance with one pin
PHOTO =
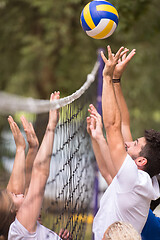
(107, 78)
(33, 148)
(51, 128)
(99, 138)
(116, 80)
(101, 141)
(20, 149)
(117, 76)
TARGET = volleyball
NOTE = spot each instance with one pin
(99, 19)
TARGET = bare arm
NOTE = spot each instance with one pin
(30, 209)
(100, 147)
(16, 182)
(117, 74)
(32, 150)
(111, 112)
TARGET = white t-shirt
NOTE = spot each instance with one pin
(126, 199)
(18, 232)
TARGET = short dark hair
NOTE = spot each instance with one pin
(151, 151)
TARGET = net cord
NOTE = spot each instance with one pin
(10, 103)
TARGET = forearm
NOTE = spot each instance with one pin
(122, 104)
(16, 182)
(112, 123)
(32, 152)
(43, 157)
(103, 159)
(111, 111)
(124, 112)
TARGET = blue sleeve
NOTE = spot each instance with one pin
(151, 230)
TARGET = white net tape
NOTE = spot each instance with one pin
(10, 103)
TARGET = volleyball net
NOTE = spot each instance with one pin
(69, 189)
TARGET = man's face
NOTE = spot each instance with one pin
(135, 147)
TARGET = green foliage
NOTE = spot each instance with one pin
(43, 48)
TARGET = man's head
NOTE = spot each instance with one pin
(134, 148)
(146, 152)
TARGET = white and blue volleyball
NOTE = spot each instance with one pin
(99, 19)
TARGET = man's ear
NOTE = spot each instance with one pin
(141, 162)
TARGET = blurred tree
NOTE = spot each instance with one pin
(43, 48)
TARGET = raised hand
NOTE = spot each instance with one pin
(18, 137)
(94, 123)
(30, 133)
(122, 63)
(53, 114)
(112, 60)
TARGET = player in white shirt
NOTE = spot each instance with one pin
(130, 176)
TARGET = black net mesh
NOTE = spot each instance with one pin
(69, 189)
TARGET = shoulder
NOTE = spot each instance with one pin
(17, 230)
(147, 186)
(130, 178)
(128, 172)
(128, 164)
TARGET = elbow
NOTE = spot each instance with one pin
(112, 126)
(113, 123)
(40, 170)
(109, 124)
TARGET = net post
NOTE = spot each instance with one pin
(99, 109)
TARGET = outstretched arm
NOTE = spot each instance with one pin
(100, 147)
(111, 111)
(30, 209)
(33, 145)
(117, 74)
(16, 182)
